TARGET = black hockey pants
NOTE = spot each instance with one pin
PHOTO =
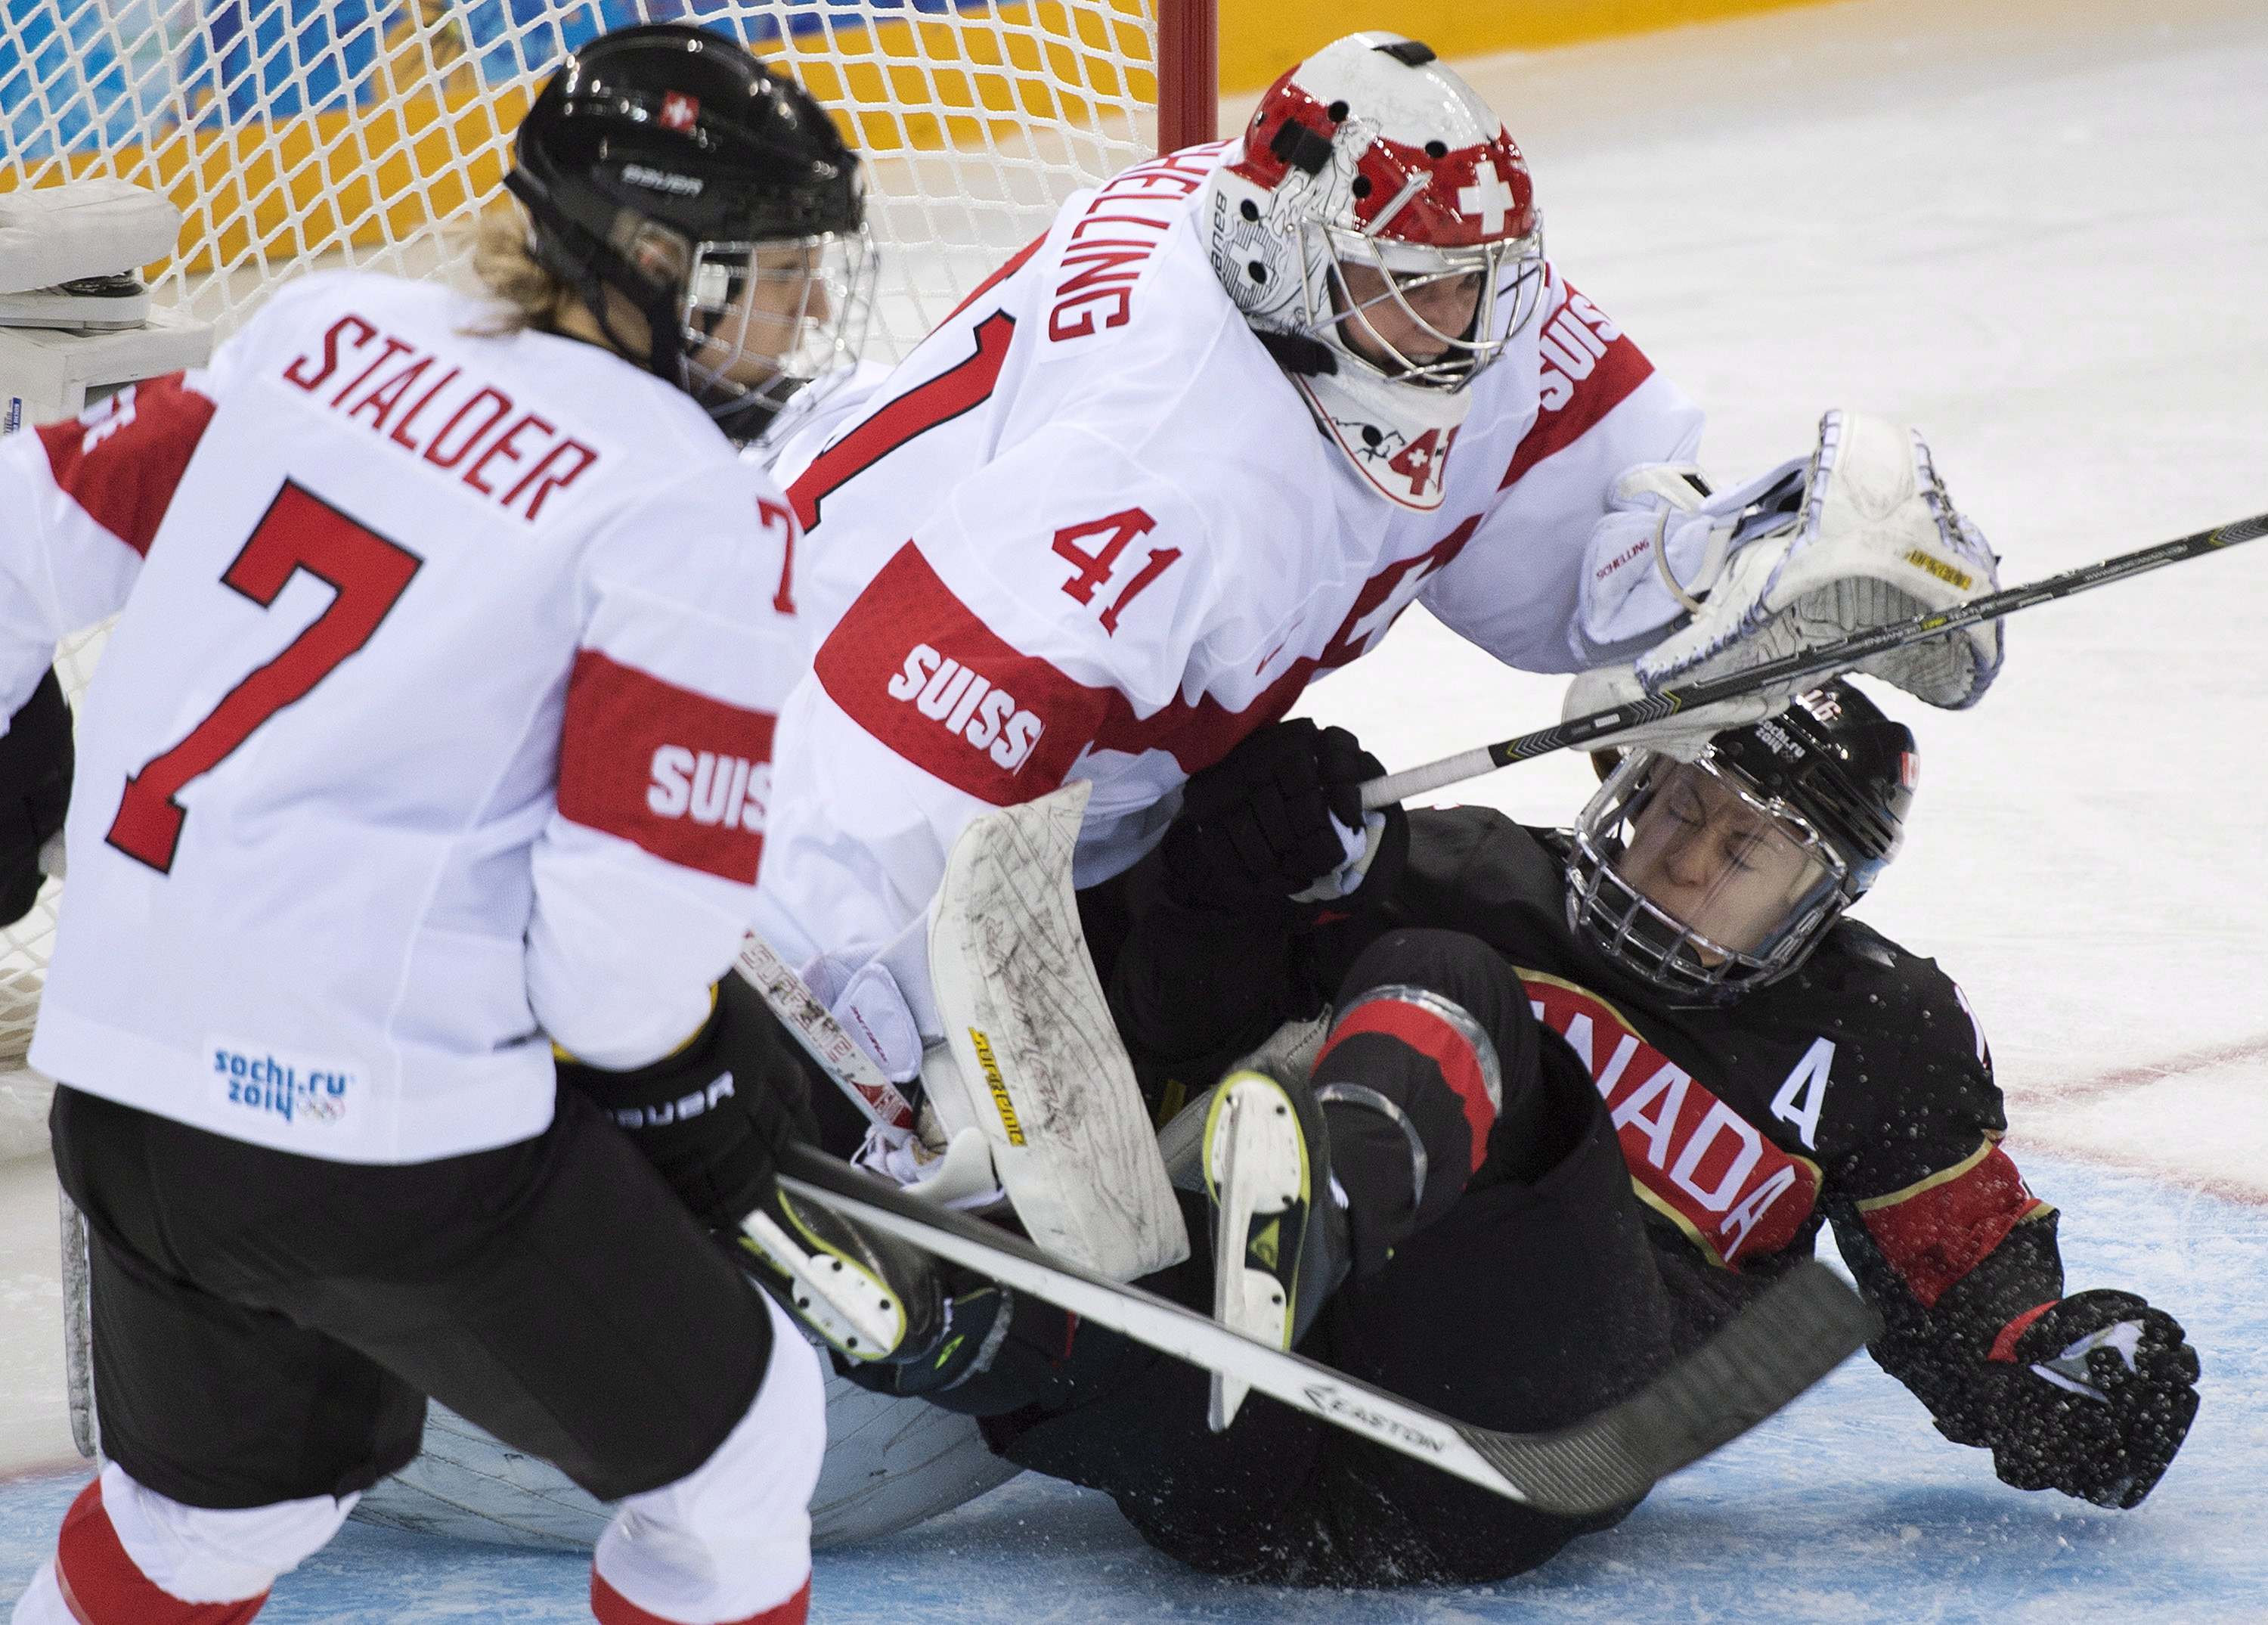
(266, 1326)
(1530, 1300)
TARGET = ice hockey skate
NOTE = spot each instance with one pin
(870, 1296)
(1266, 1155)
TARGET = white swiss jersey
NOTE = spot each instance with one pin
(437, 726)
(1089, 529)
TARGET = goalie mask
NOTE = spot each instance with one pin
(1379, 232)
(664, 163)
(1713, 877)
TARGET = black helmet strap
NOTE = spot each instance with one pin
(591, 265)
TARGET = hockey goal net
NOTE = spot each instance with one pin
(297, 135)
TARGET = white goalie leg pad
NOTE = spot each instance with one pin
(1878, 540)
(1042, 1071)
(731, 1538)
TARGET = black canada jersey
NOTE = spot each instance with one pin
(1862, 1078)
(1858, 1091)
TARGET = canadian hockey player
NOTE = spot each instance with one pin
(1569, 1098)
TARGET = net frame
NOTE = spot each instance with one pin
(296, 134)
(306, 135)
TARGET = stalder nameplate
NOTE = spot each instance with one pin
(1031, 1034)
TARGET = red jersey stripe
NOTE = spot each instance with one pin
(1940, 1229)
(122, 461)
(915, 668)
(685, 777)
(1595, 368)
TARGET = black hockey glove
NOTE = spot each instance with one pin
(710, 1116)
(1269, 820)
(36, 760)
(2095, 1402)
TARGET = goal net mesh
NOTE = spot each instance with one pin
(297, 135)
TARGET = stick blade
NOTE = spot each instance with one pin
(1801, 1329)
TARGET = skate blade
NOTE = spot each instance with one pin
(1255, 1167)
(856, 1314)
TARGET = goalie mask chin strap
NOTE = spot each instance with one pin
(1295, 352)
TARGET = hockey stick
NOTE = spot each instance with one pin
(1840, 655)
(811, 1025)
(1797, 1332)
(1800, 1330)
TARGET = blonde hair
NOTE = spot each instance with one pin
(529, 296)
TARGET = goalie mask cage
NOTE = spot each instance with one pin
(297, 135)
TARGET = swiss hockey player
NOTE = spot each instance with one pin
(415, 595)
(1575, 1096)
(1204, 442)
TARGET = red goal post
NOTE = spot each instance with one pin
(1188, 73)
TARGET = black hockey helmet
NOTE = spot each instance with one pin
(1712, 877)
(666, 162)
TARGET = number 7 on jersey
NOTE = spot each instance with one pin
(299, 531)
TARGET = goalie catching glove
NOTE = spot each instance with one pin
(1877, 540)
(712, 1117)
(1856, 537)
(2093, 1397)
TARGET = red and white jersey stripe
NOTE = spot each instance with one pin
(437, 726)
(1089, 529)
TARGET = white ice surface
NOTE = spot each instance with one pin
(2035, 230)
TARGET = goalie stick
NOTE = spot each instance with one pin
(1797, 1332)
(1841, 655)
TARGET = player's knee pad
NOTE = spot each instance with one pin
(1513, 1057)
(729, 1542)
(1461, 969)
(1416, 1046)
(1433, 1081)
(130, 1555)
